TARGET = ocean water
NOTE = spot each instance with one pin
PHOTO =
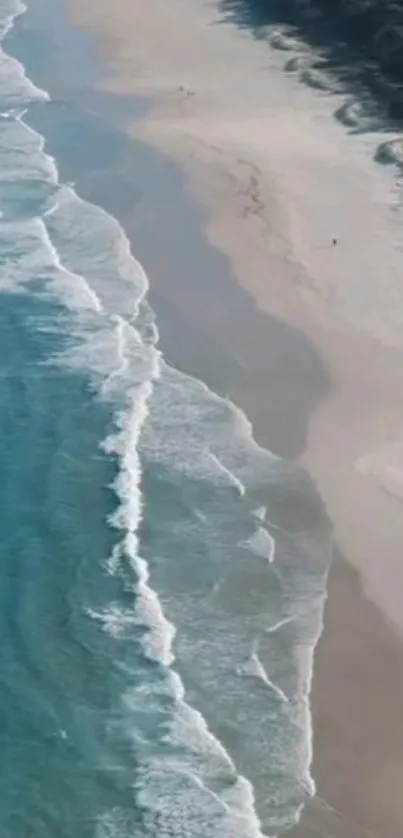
(163, 576)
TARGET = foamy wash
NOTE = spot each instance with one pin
(163, 576)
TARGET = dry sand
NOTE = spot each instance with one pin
(280, 178)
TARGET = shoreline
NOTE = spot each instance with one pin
(235, 197)
(271, 226)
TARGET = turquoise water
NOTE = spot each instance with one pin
(162, 575)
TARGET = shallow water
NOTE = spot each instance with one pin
(163, 575)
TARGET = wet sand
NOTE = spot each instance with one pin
(314, 346)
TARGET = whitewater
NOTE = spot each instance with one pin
(179, 692)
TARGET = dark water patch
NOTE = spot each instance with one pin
(390, 153)
(357, 45)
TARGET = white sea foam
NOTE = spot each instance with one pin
(280, 623)
(254, 668)
(16, 89)
(114, 620)
(115, 823)
(22, 154)
(74, 289)
(188, 809)
(260, 513)
(361, 116)
(284, 39)
(219, 434)
(233, 480)
(320, 79)
(48, 160)
(262, 544)
(10, 11)
(191, 788)
(99, 248)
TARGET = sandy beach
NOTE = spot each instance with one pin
(278, 178)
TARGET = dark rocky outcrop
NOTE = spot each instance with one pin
(374, 26)
(359, 41)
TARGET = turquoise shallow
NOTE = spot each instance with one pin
(160, 595)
